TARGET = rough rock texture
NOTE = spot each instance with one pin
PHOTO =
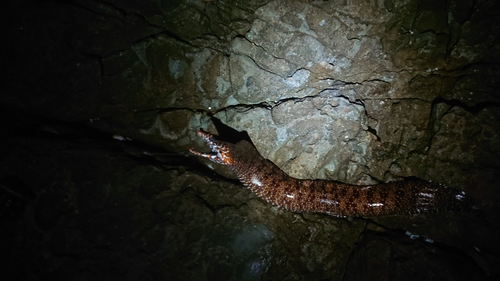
(355, 91)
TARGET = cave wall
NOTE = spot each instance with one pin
(391, 85)
(354, 91)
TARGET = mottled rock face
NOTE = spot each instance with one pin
(355, 91)
(328, 91)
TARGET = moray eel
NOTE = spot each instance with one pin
(334, 198)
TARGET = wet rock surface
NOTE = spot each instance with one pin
(103, 100)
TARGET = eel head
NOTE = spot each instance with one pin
(221, 151)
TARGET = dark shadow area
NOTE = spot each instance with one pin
(102, 100)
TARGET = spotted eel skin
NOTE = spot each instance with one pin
(334, 198)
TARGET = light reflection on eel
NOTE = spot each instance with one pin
(334, 198)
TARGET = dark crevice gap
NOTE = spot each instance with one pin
(473, 109)
(373, 132)
(229, 134)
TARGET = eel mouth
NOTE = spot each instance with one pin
(220, 151)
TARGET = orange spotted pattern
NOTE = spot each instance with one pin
(268, 182)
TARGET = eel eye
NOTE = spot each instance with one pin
(223, 155)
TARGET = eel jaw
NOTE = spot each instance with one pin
(221, 152)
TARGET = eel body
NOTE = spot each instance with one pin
(334, 198)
